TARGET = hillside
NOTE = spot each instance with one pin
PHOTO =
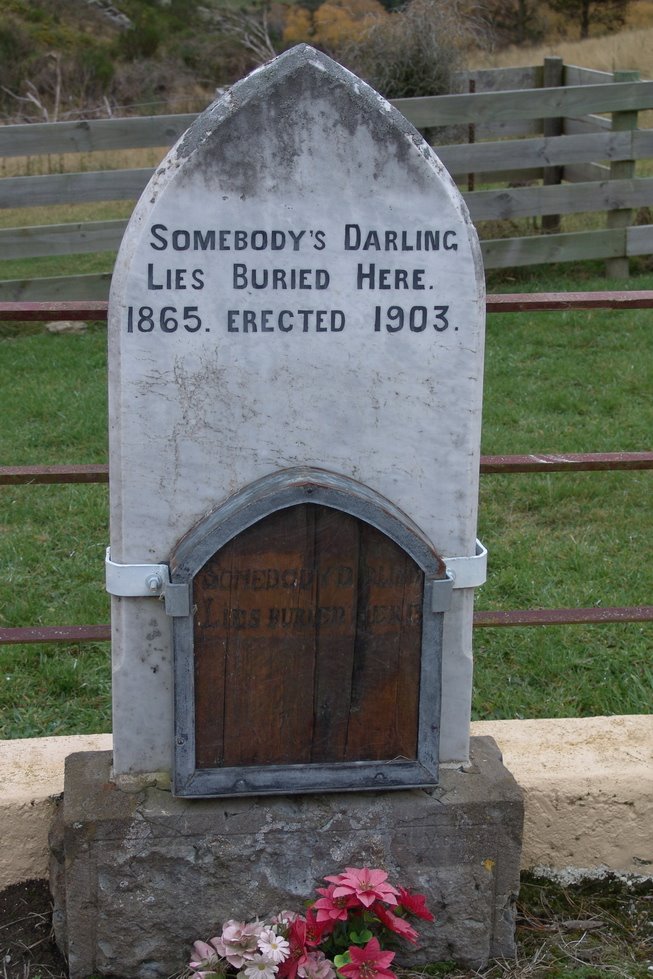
(85, 58)
(104, 57)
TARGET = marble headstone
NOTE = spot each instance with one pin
(299, 285)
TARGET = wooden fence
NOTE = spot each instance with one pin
(560, 139)
(490, 465)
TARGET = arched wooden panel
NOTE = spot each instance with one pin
(307, 643)
(311, 658)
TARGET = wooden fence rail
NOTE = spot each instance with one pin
(497, 465)
(493, 107)
(502, 126)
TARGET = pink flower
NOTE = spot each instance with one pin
(206, 962)
(331, 907)
(203, 954)
(239, 942)
(317, 930)
(399, 925)
(415, 904)
(298, 954)
(284, 918)
(365, 885)
(316, 966)
(368, 962)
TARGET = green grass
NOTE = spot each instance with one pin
(566, 382)
(52, 538)
(597, 929)
(555, 382)
(56, 265)
(19, 217)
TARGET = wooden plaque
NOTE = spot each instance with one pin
(307, 639)
(310, 659)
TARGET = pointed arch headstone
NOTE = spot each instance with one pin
(299, 285)
(301, 456)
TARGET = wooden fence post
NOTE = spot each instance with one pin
(552, 77)
(471, 135)
(618, 268)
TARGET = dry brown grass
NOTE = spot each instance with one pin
(30, 166)
(629, 49)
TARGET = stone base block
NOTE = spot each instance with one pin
(137, 876)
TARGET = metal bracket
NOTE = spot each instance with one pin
(153, 581)
(468, 572)
(441, 589)
(146, 580)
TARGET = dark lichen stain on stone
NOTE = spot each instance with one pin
(302, 105)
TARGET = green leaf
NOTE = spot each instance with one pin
(340, 960)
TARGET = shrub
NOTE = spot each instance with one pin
(14, 51)
(415, 51)
(140, 41)
(419, 50)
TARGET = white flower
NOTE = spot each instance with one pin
(260, 968)
(273, 946)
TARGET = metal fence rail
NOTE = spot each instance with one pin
(497, 465)
(490, 465)
(509, 302)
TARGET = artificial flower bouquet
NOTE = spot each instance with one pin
(341, 934)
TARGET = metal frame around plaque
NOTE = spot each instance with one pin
(279, 491)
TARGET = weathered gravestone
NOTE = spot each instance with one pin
(296, 346)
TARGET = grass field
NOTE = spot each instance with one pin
(575, 382)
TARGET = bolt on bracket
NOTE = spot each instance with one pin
(468, 572)
(146, 580)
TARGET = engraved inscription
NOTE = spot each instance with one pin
(276, 265)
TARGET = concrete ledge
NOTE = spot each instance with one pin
(31, 780)
(588, 791)
(588, 785)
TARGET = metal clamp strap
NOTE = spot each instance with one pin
(153, 580)
(468, 572)
(146, 580)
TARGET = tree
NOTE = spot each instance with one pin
(334, 24)
(515, 21)
(256, 27)
(609, 14)
(298, 26)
